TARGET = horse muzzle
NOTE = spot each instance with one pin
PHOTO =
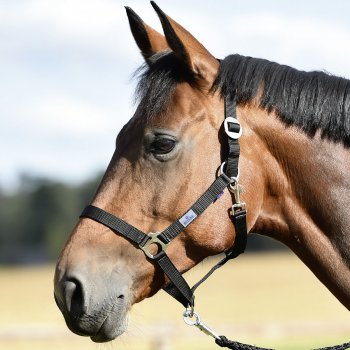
(93, 309)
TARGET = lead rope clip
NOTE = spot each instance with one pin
(235, 189)
(191, 318)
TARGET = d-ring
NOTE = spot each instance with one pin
(221, 171)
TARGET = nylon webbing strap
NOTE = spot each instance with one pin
(233, 145)
(240, 222)
(183, 293)
(115, 224)
(207, 198)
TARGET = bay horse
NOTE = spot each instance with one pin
(294, 172)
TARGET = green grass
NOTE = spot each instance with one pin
(268, 300)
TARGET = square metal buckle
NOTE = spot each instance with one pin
(154, 240)
(237, 207)
(232, 134)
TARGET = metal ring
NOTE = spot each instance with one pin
(154, 240)
(221, 171)
(188, 318)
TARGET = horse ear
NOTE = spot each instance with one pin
(147, 39)
(188, 49)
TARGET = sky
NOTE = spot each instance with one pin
(66, 67)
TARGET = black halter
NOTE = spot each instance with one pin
(178, 287)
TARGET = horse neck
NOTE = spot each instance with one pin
(305, 201)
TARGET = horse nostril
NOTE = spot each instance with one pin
(74, 296)
(121, 297)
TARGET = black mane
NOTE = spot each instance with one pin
(313, 101)
(310, 100)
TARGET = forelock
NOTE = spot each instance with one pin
(158, 79)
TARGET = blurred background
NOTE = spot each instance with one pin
(66, 89)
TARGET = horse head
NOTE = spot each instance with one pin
(169, 153)
(165, 157)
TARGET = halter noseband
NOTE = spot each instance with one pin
(228, 176)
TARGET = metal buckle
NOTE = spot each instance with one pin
(232, 134)
(238, 207)
(154, 240)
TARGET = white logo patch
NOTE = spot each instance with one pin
(188, 218)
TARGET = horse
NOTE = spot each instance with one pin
(294, 168)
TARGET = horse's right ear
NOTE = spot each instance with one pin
(147, 39)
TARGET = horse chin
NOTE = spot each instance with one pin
(101, 325)
(114, 324)
(110, 329)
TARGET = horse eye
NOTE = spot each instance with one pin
(162, 145)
